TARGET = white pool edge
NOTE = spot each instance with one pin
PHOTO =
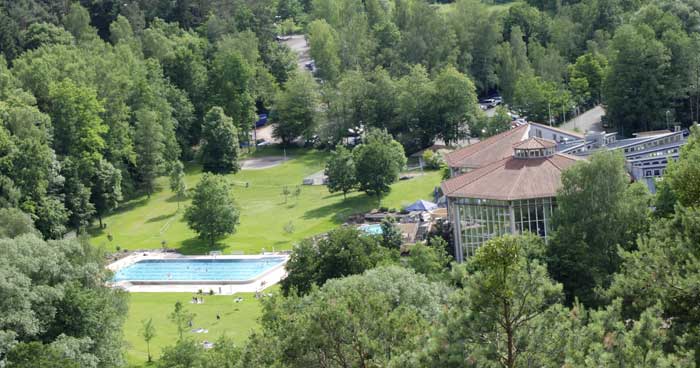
(260, 282)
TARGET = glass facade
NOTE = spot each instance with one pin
(482, 219)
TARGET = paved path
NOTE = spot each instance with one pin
(263, 162)
(589, 120)
(299, 45)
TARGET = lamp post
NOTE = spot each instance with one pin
(668, 127)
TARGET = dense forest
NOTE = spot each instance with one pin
(99, 98)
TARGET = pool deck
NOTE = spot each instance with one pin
(267, 279)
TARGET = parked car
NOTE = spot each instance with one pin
(262, 120)
(310, 65)
(487, 102)
(283, 38)
(491, 102)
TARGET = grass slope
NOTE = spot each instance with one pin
(237, 320)
(145, 223)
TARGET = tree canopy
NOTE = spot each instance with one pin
(597, 212)
(219, 143)
(213, 212)
(51, 310)
(378, 162)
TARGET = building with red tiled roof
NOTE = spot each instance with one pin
(508, 196)
(485, 152)
(533, 143)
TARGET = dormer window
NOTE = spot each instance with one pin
(534, 148)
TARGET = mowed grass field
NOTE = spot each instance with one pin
(237, 320)
(146, 223)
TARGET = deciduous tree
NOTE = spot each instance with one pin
(230, 84)
(683, 176)
(506, 292)
(181, 317)
(220, 149)
(296, 109)
(75, 115)
(345, 251)
(454, 104)
(149, 149)
(148, 332)
(106, 190)
(392, 237)
(177, 181)
(14, 222)
(323, 48)
(356, 320)
(588, 73)
(378, 162)
(341, 173)
(213, 212)
(634, 85)
(597, 212)
(78, 318)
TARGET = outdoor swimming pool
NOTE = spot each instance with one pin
(172, 270)
(372, 229)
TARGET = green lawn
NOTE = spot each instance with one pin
(145, 223)
(237, 320)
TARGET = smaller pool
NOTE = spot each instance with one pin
(197, 269)
(372, 229)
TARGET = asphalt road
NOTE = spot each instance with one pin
(589, 120)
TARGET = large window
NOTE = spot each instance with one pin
(483, 219)
(533, 215)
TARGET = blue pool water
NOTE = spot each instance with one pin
(196, 269)
(372, 229)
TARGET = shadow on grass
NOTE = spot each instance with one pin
(161, 217)
(131, 205)
(341, 210)
(95, 230)
(336, 195)
(197, 246)
(192, 168)
(174, 199)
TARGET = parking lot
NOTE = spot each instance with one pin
(299, 45)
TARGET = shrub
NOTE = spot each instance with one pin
(432, 160)
(289, 227)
